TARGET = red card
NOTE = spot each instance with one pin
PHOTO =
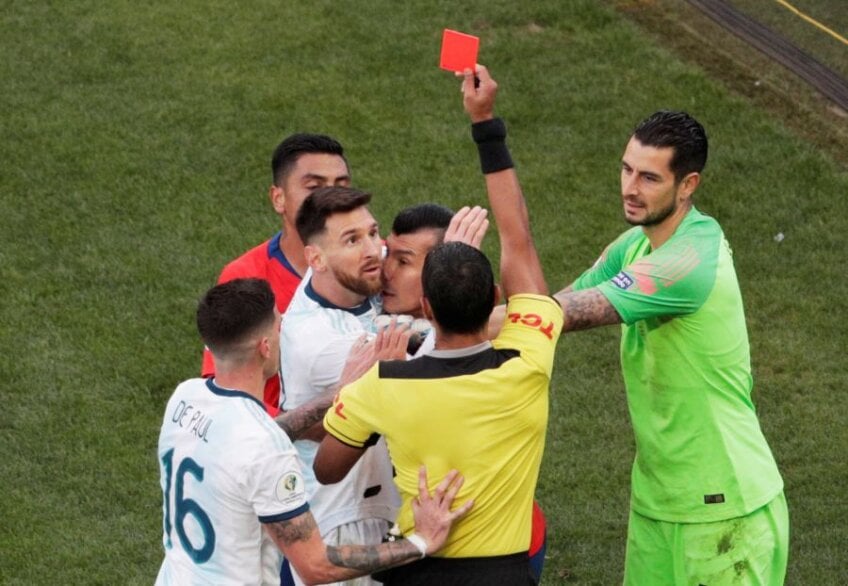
(459, 51)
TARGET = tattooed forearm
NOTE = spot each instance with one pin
(586, 309)
(298, 529)
(297, 421)
(370, 558)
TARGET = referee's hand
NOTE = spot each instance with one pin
(478, 93)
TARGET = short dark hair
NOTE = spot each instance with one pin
(293, 147)
(322, 203)
(679, 131)
(422, 216)
(229, 313)
(460, 286)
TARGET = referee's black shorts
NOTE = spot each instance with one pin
(504, 570)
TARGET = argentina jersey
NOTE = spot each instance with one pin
(225, 468)
(316, 338)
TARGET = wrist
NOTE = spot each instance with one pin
(490, 136)
(478, 118)
(488, 130)
(419, 542)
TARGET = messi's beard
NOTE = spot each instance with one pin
(356, 284)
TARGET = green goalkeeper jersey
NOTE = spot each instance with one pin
(700, 453)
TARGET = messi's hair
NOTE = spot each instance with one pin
(679, 131)
(322, 203)
(231, 312)
(293, 147)
(423, 216)
(460, 286)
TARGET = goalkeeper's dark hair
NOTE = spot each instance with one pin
(677, 130)
(460, 286)
(230, 313)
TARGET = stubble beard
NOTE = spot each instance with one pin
(656, 217)
(358, 285)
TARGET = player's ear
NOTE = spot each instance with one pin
(264, 347)
(688, 185)
(315, 258)
(278, 198)
(427, 310)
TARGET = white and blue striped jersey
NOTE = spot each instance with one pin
(225, 468)
(316, 338)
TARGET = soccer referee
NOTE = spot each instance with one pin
(470, 404)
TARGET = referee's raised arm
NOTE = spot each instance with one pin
(520, 268)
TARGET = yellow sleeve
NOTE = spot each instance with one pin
(532, 325)
(348, 418)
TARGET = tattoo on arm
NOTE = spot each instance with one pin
(586, 309)
(299, 537)
(297, 421)
(370, 558)
(293, 530)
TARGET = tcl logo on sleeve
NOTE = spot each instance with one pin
(534, 321)
(339, 407)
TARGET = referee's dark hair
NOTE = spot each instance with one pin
(293, 147)
(322, 203)
(422, 216)
(230, 313)
(677, 130)
(460, 287)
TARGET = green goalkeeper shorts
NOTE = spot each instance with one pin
(749, 550)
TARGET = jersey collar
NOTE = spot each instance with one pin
(222, 392)
(360, 309)
(275, 252)
(460, 352)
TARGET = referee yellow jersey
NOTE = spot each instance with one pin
(482, 410)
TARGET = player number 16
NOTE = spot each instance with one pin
(186, 506)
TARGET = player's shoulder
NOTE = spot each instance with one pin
(189, 388)
(307, 332)
(304, 314)
(622, 247)
(301, 305)
(699, 237)
(245, 420)
(628, 237)
(542, 311)
(252, 263)
(698, 225)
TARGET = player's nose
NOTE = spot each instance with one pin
(387, 271)
(628, 185)
(373, 247)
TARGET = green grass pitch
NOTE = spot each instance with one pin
(135, 147)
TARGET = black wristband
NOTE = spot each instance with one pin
(490, 136)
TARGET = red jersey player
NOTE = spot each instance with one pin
(300, 164)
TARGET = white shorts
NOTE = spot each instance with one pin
(363, 532)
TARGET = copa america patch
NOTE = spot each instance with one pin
(290, 488)
(622, 280)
